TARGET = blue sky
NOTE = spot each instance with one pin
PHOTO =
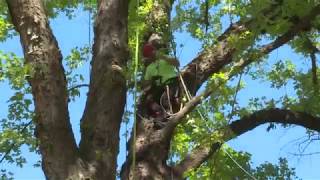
(264, 146)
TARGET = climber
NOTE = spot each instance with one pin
(160, 77)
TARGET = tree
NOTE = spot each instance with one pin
(256, 29)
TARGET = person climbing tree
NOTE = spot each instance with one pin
(160, 78)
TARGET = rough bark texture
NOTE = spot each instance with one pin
(100, 124)
(215, 58)
(243, 125)
(102, 117)
(48, 84)
(153, 144)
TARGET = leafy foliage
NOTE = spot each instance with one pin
(204, 21)
(222, 166)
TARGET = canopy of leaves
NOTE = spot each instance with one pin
(204, 21)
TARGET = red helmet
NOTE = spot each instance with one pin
(148, 50)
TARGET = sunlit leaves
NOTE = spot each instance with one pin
(271, 171)
(17, 129)
(197, 18)
(281, 73)
(13, 69)
(77, 57)
(306, 43)
(271, 19)
(222, 166)
(307, 94)
(5, 28)
(67, 7)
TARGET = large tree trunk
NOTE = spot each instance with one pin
(152, 151)
(152, 143)
(49, 90)
(102, 116)
(100, 124)
(61, 158)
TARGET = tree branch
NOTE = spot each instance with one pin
(312, 51)
(212, 60)
(49, 87)
(245, 124)
(314, 69)
(195, 159)
(77, 86)
(265, 49)
(277, 116)
(100, 123)
(202, 153)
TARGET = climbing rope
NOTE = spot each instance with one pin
(239, 165)
(189, 97)
(136, 64)
(136, 61)
(235, 98)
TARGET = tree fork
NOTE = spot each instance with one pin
(151, 150)
(208, 62)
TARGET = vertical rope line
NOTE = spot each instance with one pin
(235, 98)
(136, 63)
(89, 28)
(89, 33)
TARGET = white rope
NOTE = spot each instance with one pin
(189, 97)
(245, 171)
(202, 117)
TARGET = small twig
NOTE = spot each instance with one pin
(314, 70)
(235, 97)
(77, 86)
(206, 16)
(305, 154)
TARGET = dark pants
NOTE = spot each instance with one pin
(158, 93)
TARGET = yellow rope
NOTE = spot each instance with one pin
(136, 63)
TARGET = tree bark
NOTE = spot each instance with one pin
(213, 59)
(61, 159)
(49, 90)
(151, 147)
(103, 112)
(96, 158)
(243, 125)
(152, 144)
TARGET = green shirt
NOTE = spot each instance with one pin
(160, 68)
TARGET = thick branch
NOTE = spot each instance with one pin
(49, 87)
(313, 50)
(100, 123)
(245, 124)
(265, 49)
(195, 159)
(275, 115)
(214, 59)
(192, 160)
(314, 68)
